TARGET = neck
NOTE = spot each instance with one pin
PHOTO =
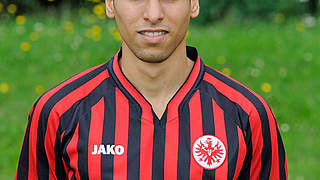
(157, 82)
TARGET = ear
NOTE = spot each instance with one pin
(195, 8)
(109, 9)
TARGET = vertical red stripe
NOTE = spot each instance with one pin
(171, 150)
(72, 152)
(274, 172)
(95, 138)
(242, 150)
(254, 119)
(220, 133)
(196, 131)
(121, 136)
(286, 167)
(60, 108)
(32, 174)
(146, 148)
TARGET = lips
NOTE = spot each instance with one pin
(153, 33)
(152, 36)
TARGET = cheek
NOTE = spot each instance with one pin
(126, 19)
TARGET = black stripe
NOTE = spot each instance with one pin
(158, 146)
(184, 151)
(133, 156)
(231, 120)
(23, 166)
(82, 147)
(266, 150)
(282, 157)
(68, 123)
(207, 123)
(245, 127)
(59, 168)
(42, 160)
(233, 144)
(108, 133)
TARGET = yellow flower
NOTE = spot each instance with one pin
(89, 33)
(115, 33)
(279, 18)
(300, 26)
(12, 8)
(20, 19)
(187, 34)
(99, 10)
(39, 89)
(94, 33)
(96, 29)
(4, 88)
(266, 87)
(68, 26)
(25, 46)
(34, 36)
(221, 60)
(51, 0)
(226, 71)
(96, 37)
(1, 7)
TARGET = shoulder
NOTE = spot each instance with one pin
(62, 97)
(249, 102)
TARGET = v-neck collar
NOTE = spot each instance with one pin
(173, 105)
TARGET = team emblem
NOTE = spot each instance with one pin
(209, 152)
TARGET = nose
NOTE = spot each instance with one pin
(153, 11)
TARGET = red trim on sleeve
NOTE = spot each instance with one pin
(196, 131)
(72, 152)
(95, 138)
(220, 133)
(121, 136)
(248, 107)
(32, 174)
(242, 150)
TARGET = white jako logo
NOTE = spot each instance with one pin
(209, 152)
(108, 149)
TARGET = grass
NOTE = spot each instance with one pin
(278, 61)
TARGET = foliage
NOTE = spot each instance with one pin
(211, 10)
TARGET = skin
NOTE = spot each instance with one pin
(156, 66)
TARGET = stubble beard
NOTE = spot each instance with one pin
(154, 56)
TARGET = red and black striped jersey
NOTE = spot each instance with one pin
(96, 125)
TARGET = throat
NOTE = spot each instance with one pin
(159, 109)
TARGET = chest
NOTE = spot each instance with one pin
(127, 142)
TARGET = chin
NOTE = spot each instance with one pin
(152, 56)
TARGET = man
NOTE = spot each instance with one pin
(154, 111)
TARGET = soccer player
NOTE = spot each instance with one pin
(154, 111)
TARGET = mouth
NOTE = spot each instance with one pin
(153, 33)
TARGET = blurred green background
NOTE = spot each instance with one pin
(270, 46)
